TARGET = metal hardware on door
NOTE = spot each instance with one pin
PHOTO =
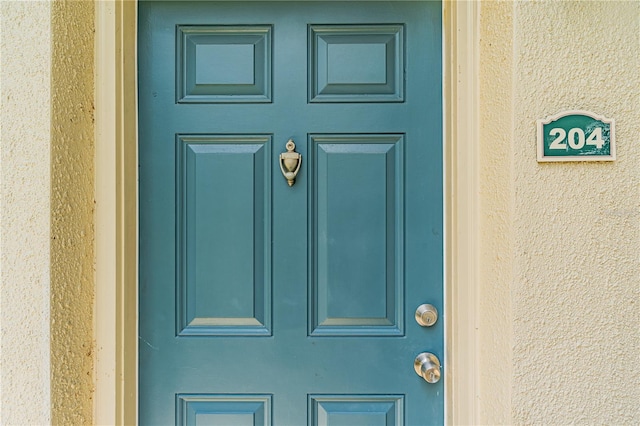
(426, 315)
(290, 161)
(427, 366)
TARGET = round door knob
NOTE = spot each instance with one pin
(427, 366)
(426, 315)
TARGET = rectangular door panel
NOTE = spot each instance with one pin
(357, 193)
(356, 410)
(227, 410)
(224, 216)
(223, 64)
(356, 63)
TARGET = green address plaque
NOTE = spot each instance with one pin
(576, 136)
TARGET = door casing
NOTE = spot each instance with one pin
(116, 301)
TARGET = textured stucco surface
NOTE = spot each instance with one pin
(25, 108)
(572, 228)
(46, 207)
(496, 205)
(72, 208)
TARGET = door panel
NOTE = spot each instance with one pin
(356, 193)
(262, 303)
(365, 410)
(245, 52)
(214, 217)
(336, 55)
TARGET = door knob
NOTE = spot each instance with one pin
(426, 315)
(427, 366)
(290, 162)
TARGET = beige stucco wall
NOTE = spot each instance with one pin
(560, 242)
(72, 210)
(25, 110)
(497, 211)
(46, 208)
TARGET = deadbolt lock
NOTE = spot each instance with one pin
(426, 315)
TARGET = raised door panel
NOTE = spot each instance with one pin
(223, 64)
(357, 210)
(223, 410)
(356, 63)
(224, 233)
(356, 410)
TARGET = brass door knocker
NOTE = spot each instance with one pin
(290, 162)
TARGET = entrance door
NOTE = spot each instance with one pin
(263, 303)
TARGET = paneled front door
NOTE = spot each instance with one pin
(263, 303)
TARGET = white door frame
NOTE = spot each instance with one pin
(116, 219)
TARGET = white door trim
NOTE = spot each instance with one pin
(461, 25)
(116, 219)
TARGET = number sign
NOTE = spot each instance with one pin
(576, 136)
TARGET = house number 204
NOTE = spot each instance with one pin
(576, 135)
(576, 138)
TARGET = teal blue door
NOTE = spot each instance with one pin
(268, 304)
